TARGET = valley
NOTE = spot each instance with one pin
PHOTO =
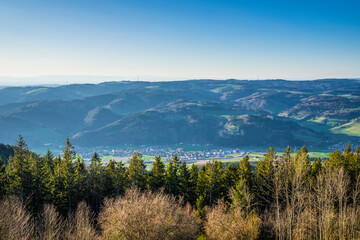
(222, 113)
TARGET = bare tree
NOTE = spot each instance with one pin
(51, 224)
(83, 228)
(15, 221)
(147, 216)
(223, 223)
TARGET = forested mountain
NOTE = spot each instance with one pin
(224, 113)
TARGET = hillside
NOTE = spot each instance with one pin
(219, 112)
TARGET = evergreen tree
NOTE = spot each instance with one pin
(48, 160)
(157, 174)
(172, 179)
(215, 175)
(47, 173)
(302, 159)
(68, 172)
(232, 175)
(95, 182)
(287, 154)
(246, 172)
(264, 178)
(115, 179)
(137, 171)
(80, 181)
(242, 196)
(63, 180)
(200, 206)
(202, 183)
(194, 172)
(336, 160)
(20, 177)
(316, 167)
(184, 182)
(38, 192)
(3, 179)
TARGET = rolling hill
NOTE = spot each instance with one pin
(218, 112)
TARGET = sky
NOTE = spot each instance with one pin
(177, 39)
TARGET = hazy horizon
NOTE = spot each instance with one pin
(180, 39)
(57, 80)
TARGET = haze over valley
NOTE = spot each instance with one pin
(223, 113)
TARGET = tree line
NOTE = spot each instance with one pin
(286, 196)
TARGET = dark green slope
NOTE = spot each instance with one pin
(201, 123)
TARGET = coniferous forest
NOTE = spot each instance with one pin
(286, 196)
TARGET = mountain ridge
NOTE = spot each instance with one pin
(202, 111)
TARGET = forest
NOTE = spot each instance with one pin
(286, 196)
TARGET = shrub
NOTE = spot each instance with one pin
(224, 223)
(15, 221)
(147, 216)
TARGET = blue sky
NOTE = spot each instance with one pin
(180, 39)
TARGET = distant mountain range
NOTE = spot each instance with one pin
(218, 112)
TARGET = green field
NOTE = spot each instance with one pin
(352, 128)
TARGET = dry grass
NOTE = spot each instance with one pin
(147, 216)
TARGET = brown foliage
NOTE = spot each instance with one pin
(15, 221)
(52, 224)
(83, 228)
(225, 224)
(147, 216)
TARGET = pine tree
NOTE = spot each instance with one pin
(184, 182)
(137, 171)
(38, 192)
(242, 196)
(336, 160)
(246, 172)
(63, 180)
(202, 184)
(302, 158)
(215, 175)
(316, 167)
(3, 179)
(80, 181)
(200, 206)
(48, 160)
(20, 177)
(115, 179)
(264, 178)
(232, 175)
(194, 172)
(95, 182)
(68, 171)
(157, 174)
(47, 173)
(172, 178)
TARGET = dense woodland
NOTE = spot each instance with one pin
(286, 196)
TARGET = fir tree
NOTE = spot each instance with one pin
(194, 172)
(184, 182)
(157, 174)
(172, 179)
(137, 171)
(38, 192)
(80, 181)
(3, 179)
(95, 182)
(20, 177)
(264, 178)
(245, 171)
